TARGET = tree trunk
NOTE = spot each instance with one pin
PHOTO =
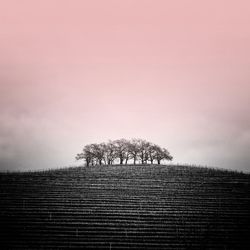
(159, 162)
(121, 161)
(126, 161)
(134, 160)
(87, 163)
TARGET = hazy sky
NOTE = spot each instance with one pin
(73, 72)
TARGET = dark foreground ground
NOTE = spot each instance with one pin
(135, 207)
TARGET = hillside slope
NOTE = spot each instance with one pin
(135, 207)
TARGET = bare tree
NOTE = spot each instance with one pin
(152, 152)
(109, 152)
(142, 150)
(162, 154)
(86, 155)
(98, 151)
(121, 149)
(127, 154)
(133, 149)
(167, 155)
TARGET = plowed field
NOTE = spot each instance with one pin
(125, 207)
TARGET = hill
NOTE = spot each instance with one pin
(119, 207)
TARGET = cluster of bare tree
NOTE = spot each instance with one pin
(123, 151)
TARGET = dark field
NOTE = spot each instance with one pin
(135, 207)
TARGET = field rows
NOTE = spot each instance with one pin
(125, 207)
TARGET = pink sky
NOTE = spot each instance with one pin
(173, 72)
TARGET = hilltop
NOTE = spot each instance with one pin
(125, 206)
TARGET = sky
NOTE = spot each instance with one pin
(74, 72)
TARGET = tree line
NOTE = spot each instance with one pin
(123, 151)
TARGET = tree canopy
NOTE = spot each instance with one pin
(123, 151)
